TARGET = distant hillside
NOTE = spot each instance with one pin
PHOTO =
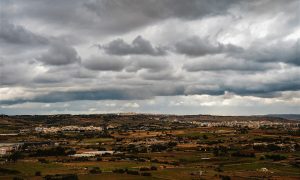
(286, 116)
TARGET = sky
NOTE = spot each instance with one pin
(229, 57)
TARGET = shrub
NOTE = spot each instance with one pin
(38, 173)
(144, 169)
(95, 170)
(243, 154)
(15, 156)
(42, 160)
(275, 157)
(17, 178)
(120, 171)
(8, 171)
(61, 177)
(146, 174)
(225, 177)
(153, 168)
(273, 147)
(132, 172)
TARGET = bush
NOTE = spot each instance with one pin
(243, 154)
(153, 168)
(120, 171)
(61, 177)
(144, 169)
(225, 177)
(262, 158)
(58, 151)
(38, 173)
(4, 171)
(172, 144)
(273, 147)
(42, 160)
(146, 174)
(95, 170)
(17, 178)
(15, 156)
(132, 172)
(155, 161)
(275, 157)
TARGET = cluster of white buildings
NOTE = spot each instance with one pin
(92, 153)
(67, 128)
(250, 124)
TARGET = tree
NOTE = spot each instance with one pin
(38, 173)
(95, 170)
(15, 156)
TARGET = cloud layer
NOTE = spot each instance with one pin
(134, 53)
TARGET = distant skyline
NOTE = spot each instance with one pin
(229, 57)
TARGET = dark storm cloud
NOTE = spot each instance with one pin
(137, 92)
(59, 54)
(195, 46)
(219, 63)
(260, 90)
(157, 9)
(101, 94)
(138, 46)
(265, 90)
(113, 16)
(108, 94)
(250, 58)
(18, 35)
(126, 15)
(281, 51)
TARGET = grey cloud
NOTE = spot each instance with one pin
(148, 63)
(18, 35)
(66, 75)
(42, 43)
(195, 46)
(162, 75)
(59, 54)
(124, 93)
(248, 58)
(113, 16)
(104, 63)
(157, 9)
(138, 46)
(204, 89)
(106, 94)
(219, 63)
(281, 51)
(237, 85)
(265, 90)
(14, 74)
(132, 64)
